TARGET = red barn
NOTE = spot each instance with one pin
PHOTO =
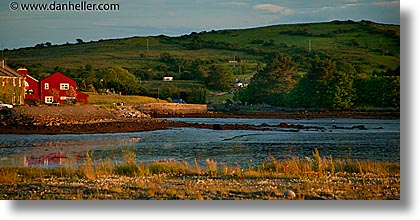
(59, 88)
(31, 85)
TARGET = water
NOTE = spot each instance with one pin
(380, 142)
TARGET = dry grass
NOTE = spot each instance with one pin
(313, 177)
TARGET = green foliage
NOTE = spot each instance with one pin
(119, 79)
(189, 91)
(273, 84)
(324, 86)
(196, 42)
(341, 91)
(378, 91)
(220, 78)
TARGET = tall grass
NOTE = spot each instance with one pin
(310, 177)
(315, 166)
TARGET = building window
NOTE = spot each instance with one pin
(20, 83)
(46, 86)
(14, 82)
(49, 99)
(64, 86)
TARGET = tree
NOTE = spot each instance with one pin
(120, 79)
(326, 85)
(341, 90)
(196, 42)
(377, 91)
(166, 58)
(220, 77)
(273, 84)
(55, 94)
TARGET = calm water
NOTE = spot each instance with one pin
(380, 142)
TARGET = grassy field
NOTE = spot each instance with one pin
(101, 99)
(371, 48)
(310, 178)
(365, 44)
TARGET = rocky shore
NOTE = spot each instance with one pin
(98, 119)
(77, 119)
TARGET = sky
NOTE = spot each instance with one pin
(20, 28)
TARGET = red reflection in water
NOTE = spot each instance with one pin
(51, 159)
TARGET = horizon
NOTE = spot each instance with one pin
(65, 21)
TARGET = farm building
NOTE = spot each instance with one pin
(59, 88)
(56, 88)
(12, 85)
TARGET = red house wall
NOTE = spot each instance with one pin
(39, 92)
(54, 90)
(82, 96)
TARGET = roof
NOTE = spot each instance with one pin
(57, 74)
(32, 78)
(7, 71)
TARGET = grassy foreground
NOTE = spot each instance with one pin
(311, 178)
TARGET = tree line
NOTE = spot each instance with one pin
(328, 83)
(310, 80)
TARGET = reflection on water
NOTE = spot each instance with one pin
(380, 142)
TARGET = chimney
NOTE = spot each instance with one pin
(23, 71)
(3, 64)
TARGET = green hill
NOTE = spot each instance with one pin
(367, 45)
(370, 48)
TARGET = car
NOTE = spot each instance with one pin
(178, 101)
(4, 105)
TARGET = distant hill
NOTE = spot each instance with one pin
(366, 45)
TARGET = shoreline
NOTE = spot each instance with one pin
(297, 114)
(91, 119)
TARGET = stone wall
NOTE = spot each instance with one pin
(172, 108)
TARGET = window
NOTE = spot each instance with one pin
(46, 86)
(49, 99)
(64, 86)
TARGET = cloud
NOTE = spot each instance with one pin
(234, 3)
(274, 9)
(386, 4)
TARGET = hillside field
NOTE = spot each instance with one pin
(370, 48)
(366, 44)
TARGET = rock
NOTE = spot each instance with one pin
(289, 194)
(217, 127)
(360, 127)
